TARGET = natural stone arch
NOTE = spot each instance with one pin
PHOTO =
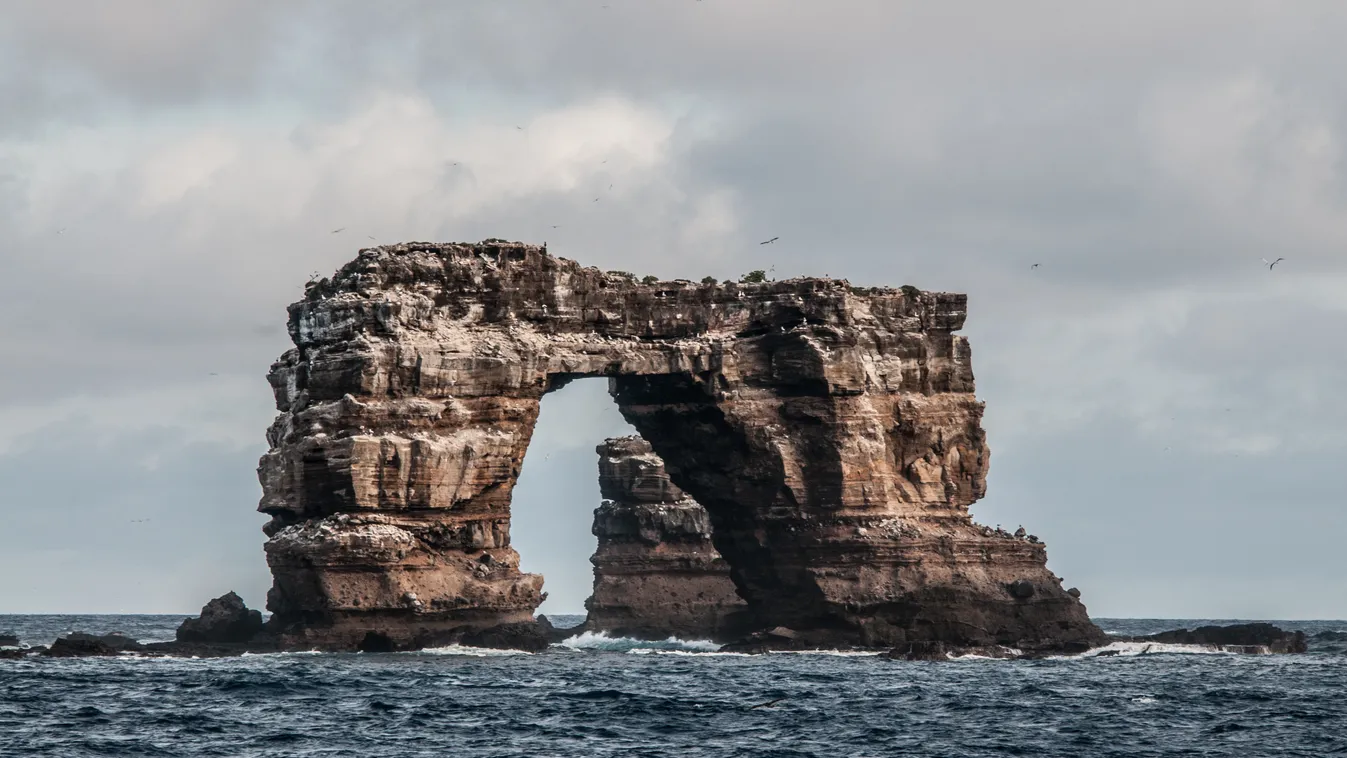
(831, 432)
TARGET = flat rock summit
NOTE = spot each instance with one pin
(830, 433)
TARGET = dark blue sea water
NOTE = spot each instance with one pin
(601, 697)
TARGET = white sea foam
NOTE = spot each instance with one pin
(690, 653)
(837, 653)
(1132, 649)
(1008, 652)
(476, 652)
(279, 654)
(601, 641)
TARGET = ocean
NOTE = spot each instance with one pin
(596, 696)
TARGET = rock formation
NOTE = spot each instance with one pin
(831, 433)
(225, 619)
(1257, 637)
(656, 572)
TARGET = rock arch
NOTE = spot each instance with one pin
(831, 432)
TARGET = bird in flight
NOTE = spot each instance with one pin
(1034, 266)
(371, 238)
(520, 128)
(1273, 263)
(61, 230)
(554, 226)
(596, 200)
(334, 231)
(768, 242)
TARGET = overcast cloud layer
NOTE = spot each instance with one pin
(1163, 410)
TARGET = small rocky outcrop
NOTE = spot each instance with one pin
(1235, 638)
(830, 432)
(224, 620)
(79, 645)
(656, 572)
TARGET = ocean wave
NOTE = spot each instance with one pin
(602, 642)
(476, 652)
(280, 654)
(1133, 649)
(692, 653)
(837, 653)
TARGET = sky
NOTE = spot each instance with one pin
(1163, 409)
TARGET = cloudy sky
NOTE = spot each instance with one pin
(1163, 410)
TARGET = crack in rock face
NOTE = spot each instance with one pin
(830, 433)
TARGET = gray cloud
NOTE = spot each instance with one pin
(1146, 155)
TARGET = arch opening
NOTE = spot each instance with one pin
(553, 503)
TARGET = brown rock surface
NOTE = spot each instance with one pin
(656, 572)
(830, 432)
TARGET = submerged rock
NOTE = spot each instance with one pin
(226, 619)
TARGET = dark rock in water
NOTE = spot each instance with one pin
(8, 640)
(1022, 589)
(116, 640)
(80, 646)
(1236, 638)
(225, 619)
(527, 635)
(554, 634)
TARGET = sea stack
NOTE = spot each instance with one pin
(656, 572)
(830, 432)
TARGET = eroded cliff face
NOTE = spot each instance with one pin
(830, 432)
(656, 572)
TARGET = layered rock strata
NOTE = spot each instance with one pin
(656, 572)
(831, 433)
